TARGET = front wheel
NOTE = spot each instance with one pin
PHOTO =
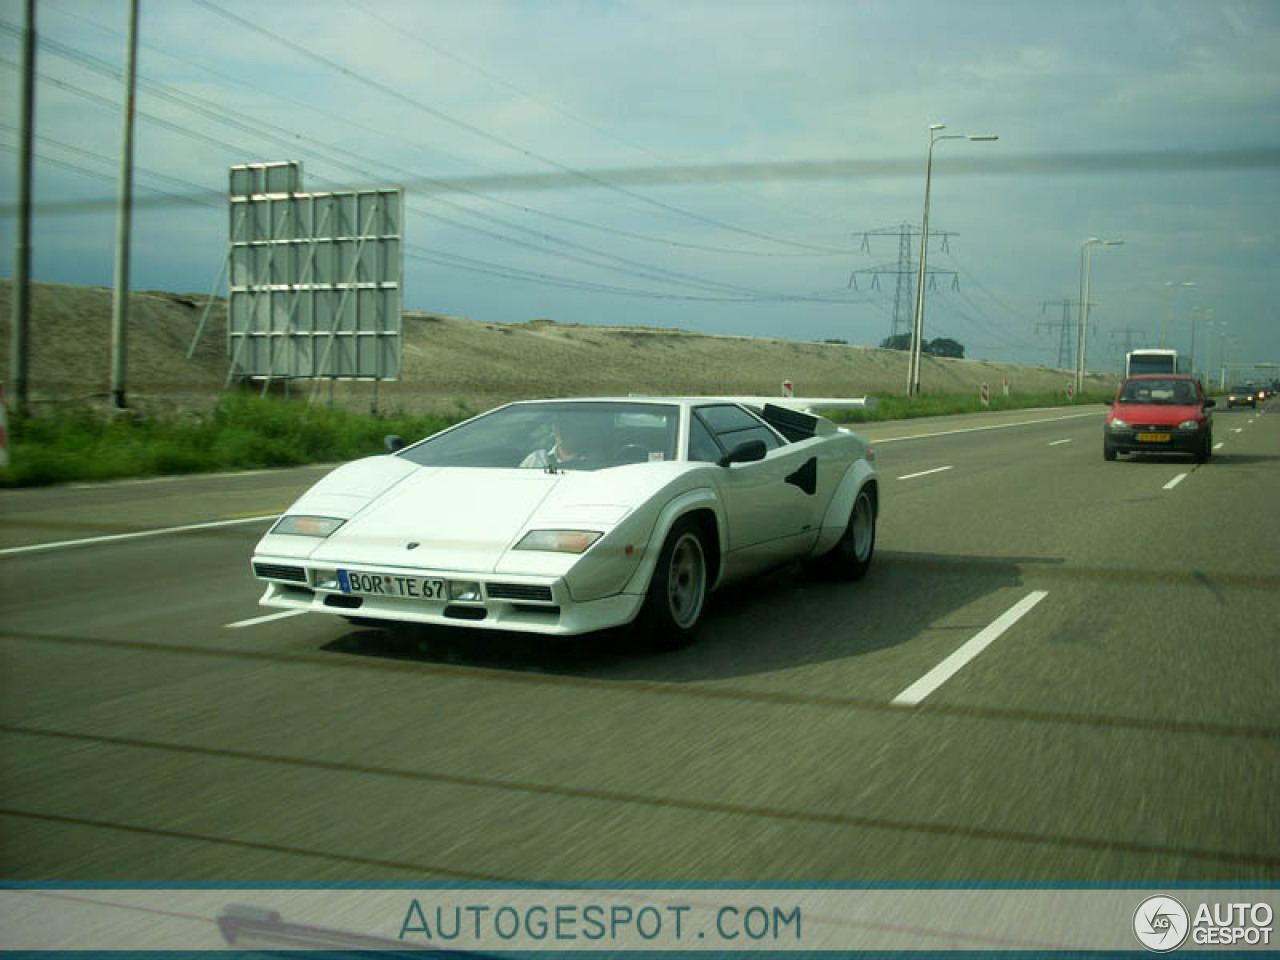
(677, 593)
(1108, 451)
(1205, 451)
(850, 558)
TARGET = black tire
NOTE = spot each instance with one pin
(1205, 451)
(1108, 451)
(677, 595)
(850, 558)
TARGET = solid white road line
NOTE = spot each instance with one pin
(923, 473)
(1218, 445)
(995, 426)
(948, 668)
(266, 619)
(1175, 481)
(1054, 443)
(85, 541)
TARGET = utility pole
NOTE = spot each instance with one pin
(904, 269)
(20, 330)
(1063, 327)
(124, 214)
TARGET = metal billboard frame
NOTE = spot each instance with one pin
(314, 279)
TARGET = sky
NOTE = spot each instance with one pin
(728, 168)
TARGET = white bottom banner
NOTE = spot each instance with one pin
(658, 920)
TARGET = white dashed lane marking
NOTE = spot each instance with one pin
(254, 621)
(86, 541)
(1175, 481)
(923, 473)
(948, 668)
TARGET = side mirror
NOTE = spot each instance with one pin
(392, 442)
(1210, 403)
(747, 451)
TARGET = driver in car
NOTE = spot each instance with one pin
(578, 442)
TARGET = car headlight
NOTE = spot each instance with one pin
(558, 541)
(1189, 425)
(303, 526)
(1118, 424)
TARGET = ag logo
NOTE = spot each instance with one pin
(1161, 923)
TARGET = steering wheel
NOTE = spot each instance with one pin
(632, 453)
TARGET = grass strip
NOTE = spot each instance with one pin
(941, 405)
(77, 444)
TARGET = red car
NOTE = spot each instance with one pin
(1159, 413)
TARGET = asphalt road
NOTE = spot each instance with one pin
(1122, 726)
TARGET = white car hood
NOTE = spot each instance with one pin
(462, 518)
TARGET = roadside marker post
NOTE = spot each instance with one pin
(1071, 390)
(787, 389)
(4, 430)
(1004, 384)
(984, 392)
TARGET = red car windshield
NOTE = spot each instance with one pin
(1167, 392)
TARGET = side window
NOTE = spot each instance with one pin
(732, 425)
(702, 446)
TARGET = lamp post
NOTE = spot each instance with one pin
(1082, 324)
(1168, 306)
(1221, 326)
(917, 326)
(1195, 311)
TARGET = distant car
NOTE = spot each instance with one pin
(570, 516)
(1159, 413)
(1242, 394)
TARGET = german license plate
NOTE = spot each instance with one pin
(1153, 437)
(391, 585)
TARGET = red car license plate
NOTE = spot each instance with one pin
(1153, 437)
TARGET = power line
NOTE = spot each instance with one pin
(420, 181)
(560, 108)
(581, 175)
(470, 264)
(213, 111)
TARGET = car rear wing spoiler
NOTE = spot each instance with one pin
(797, 418)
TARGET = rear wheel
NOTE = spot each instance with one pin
(850, 558)
(677, 593)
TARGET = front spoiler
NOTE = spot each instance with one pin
(563, 619)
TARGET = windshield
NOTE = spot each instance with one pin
(1171, 392)
(556, 436)
(1151, 364)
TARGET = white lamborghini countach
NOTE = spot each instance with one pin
(569, 516)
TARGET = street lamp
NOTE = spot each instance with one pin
(917, 326)
(1082, 325)
(1221, 326)
(1208, 312)
(1168, 306)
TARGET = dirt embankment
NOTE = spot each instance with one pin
(452, 362)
